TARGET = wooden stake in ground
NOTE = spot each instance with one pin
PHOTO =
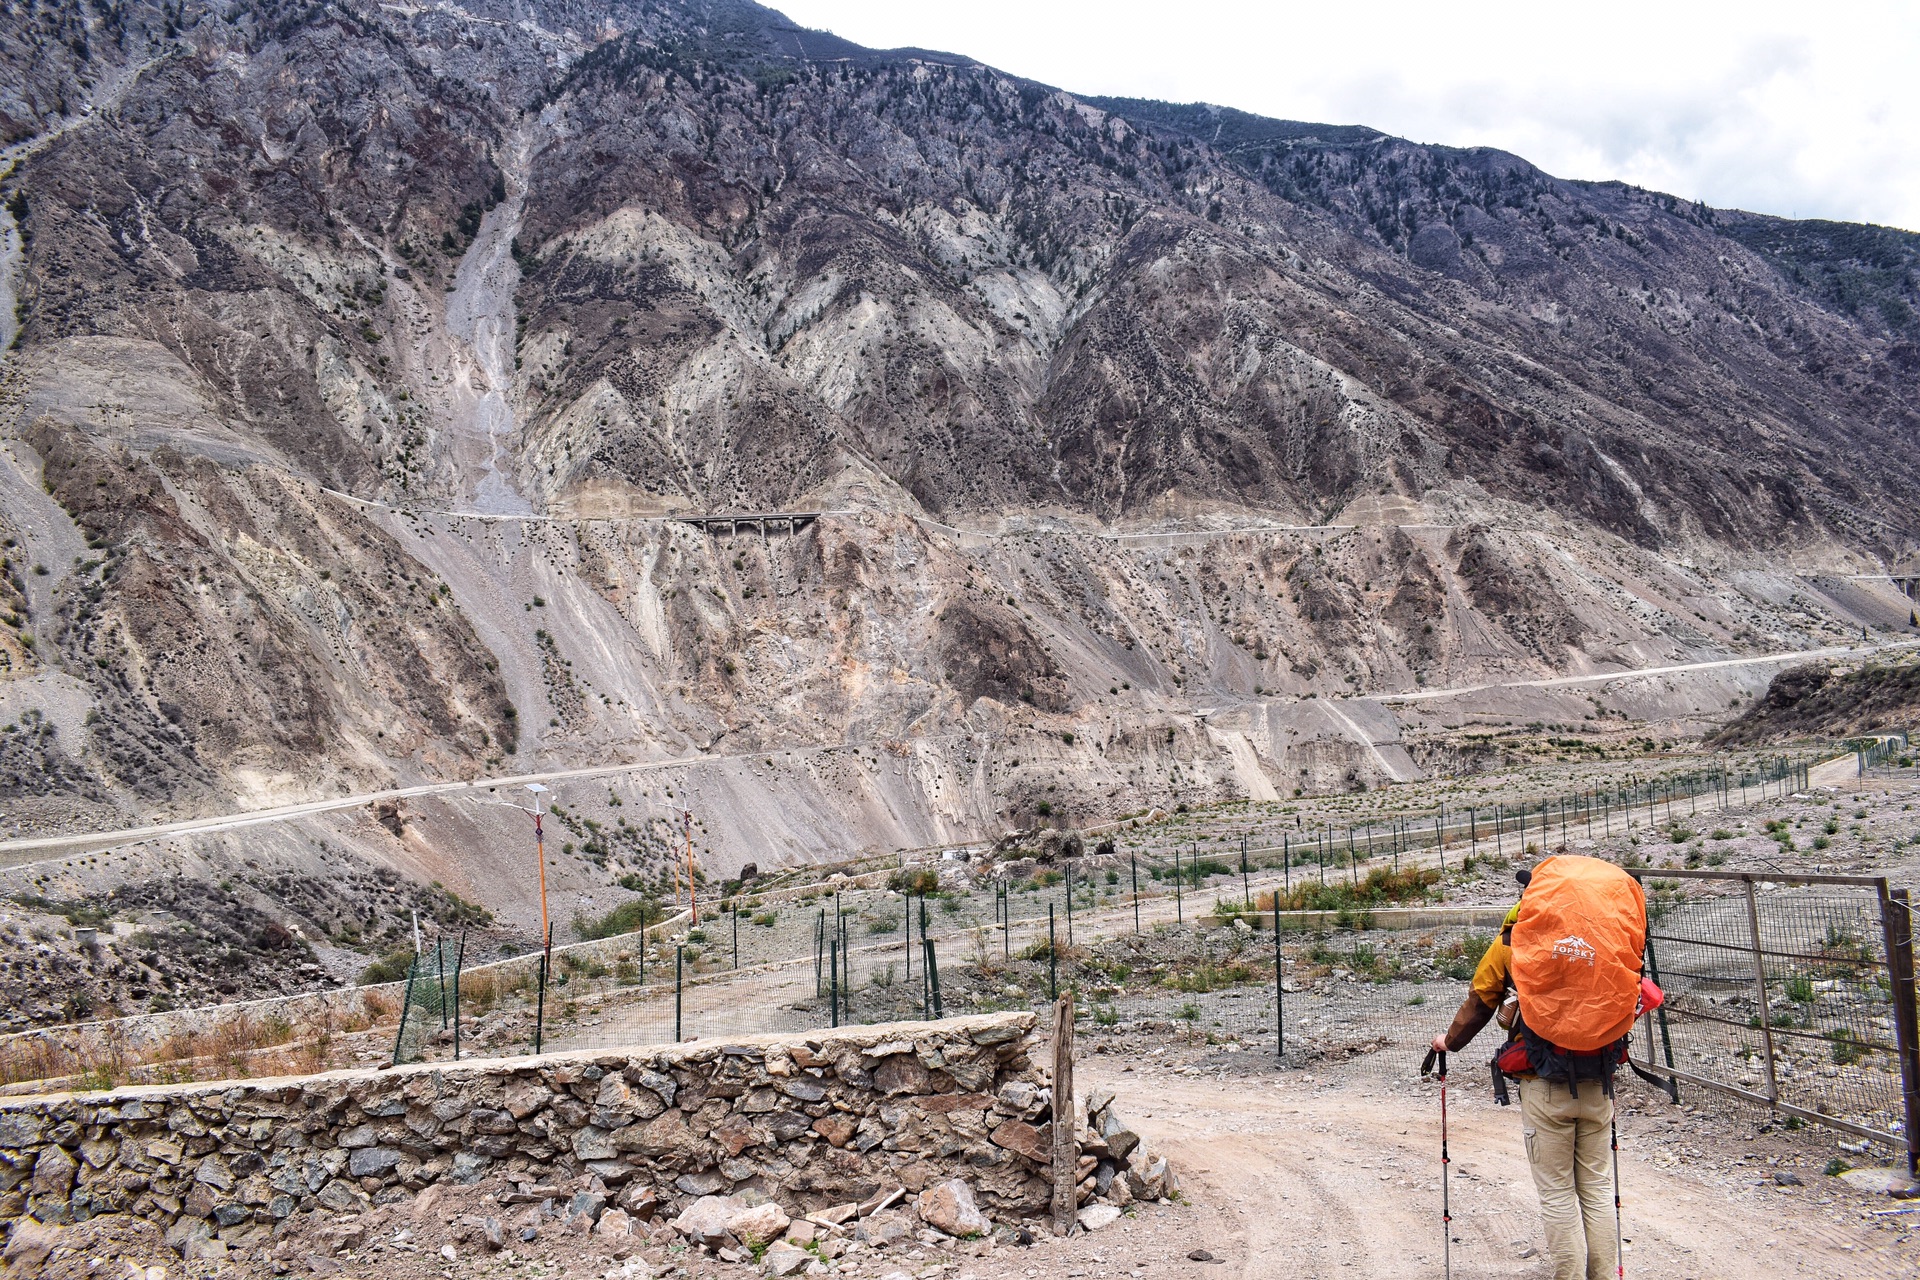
(1066, 1136)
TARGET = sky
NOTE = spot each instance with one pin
(1802, 110)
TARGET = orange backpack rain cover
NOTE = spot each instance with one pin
(1576, 952)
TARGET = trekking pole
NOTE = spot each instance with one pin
(1446, 1206)
(1619, 1258)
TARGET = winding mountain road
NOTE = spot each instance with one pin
(26, 849)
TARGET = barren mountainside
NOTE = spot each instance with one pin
(362, 351)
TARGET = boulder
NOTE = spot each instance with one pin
(1095, 1216)
(54, 1171)
(708, 1220)
(900, 1074)
(1017, 1095)
(28, 1245)
(587, 1204)
(1024, 1139)
(759, 1224)
(882, 1229)
(614, 1232)
(593, 1143)
(1117, 1134)
(372, 1161)
(949, 1206)
(785, 1260)
(836, 1128)
(640, 1201)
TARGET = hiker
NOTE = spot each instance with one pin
(1565, 975)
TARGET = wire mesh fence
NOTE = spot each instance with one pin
(1148, 929)
(430, 1007)
(1794, 992)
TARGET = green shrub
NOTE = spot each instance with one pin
(628, 917)
(391, 967)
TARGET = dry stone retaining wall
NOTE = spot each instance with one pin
(813, 1121)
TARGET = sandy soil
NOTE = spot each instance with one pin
(1292, 1175)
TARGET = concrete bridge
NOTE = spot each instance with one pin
(762, 522)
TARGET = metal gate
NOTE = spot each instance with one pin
(1795, 992)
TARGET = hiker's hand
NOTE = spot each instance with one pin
(1440, 1043)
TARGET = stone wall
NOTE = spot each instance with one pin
(813, 1120)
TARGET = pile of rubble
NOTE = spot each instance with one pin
(1116, 1169)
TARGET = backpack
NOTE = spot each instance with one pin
(1577, 943)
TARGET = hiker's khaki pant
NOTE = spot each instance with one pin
(1573, 1170)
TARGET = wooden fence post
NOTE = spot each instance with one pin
(1066, 1136)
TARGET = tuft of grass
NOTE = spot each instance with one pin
(1845, 1049)
(1382, 886)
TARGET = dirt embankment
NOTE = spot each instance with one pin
(1819, 699)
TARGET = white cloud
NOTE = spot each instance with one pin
(1789, 109)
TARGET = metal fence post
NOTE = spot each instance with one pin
(1133, 864)
(1896, 921)
(735, 913)
(1286, 862)
(1069, 904)
(1666, 1036)
(1279, 987)
(1246, 886)
(1760, 982)
(540, 1008)
(934, 975)
(833, 991)
(1053, 959)
(679, 968)
(459, 964)
(820, 954)
(406, 1007)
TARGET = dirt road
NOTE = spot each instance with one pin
(1290, 1175)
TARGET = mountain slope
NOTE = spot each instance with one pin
(362, 345)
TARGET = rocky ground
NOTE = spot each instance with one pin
(1320, 1172)
(1830, 700)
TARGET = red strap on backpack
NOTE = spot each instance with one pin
(1651, 996)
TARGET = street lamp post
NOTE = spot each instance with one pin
(540, 852)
